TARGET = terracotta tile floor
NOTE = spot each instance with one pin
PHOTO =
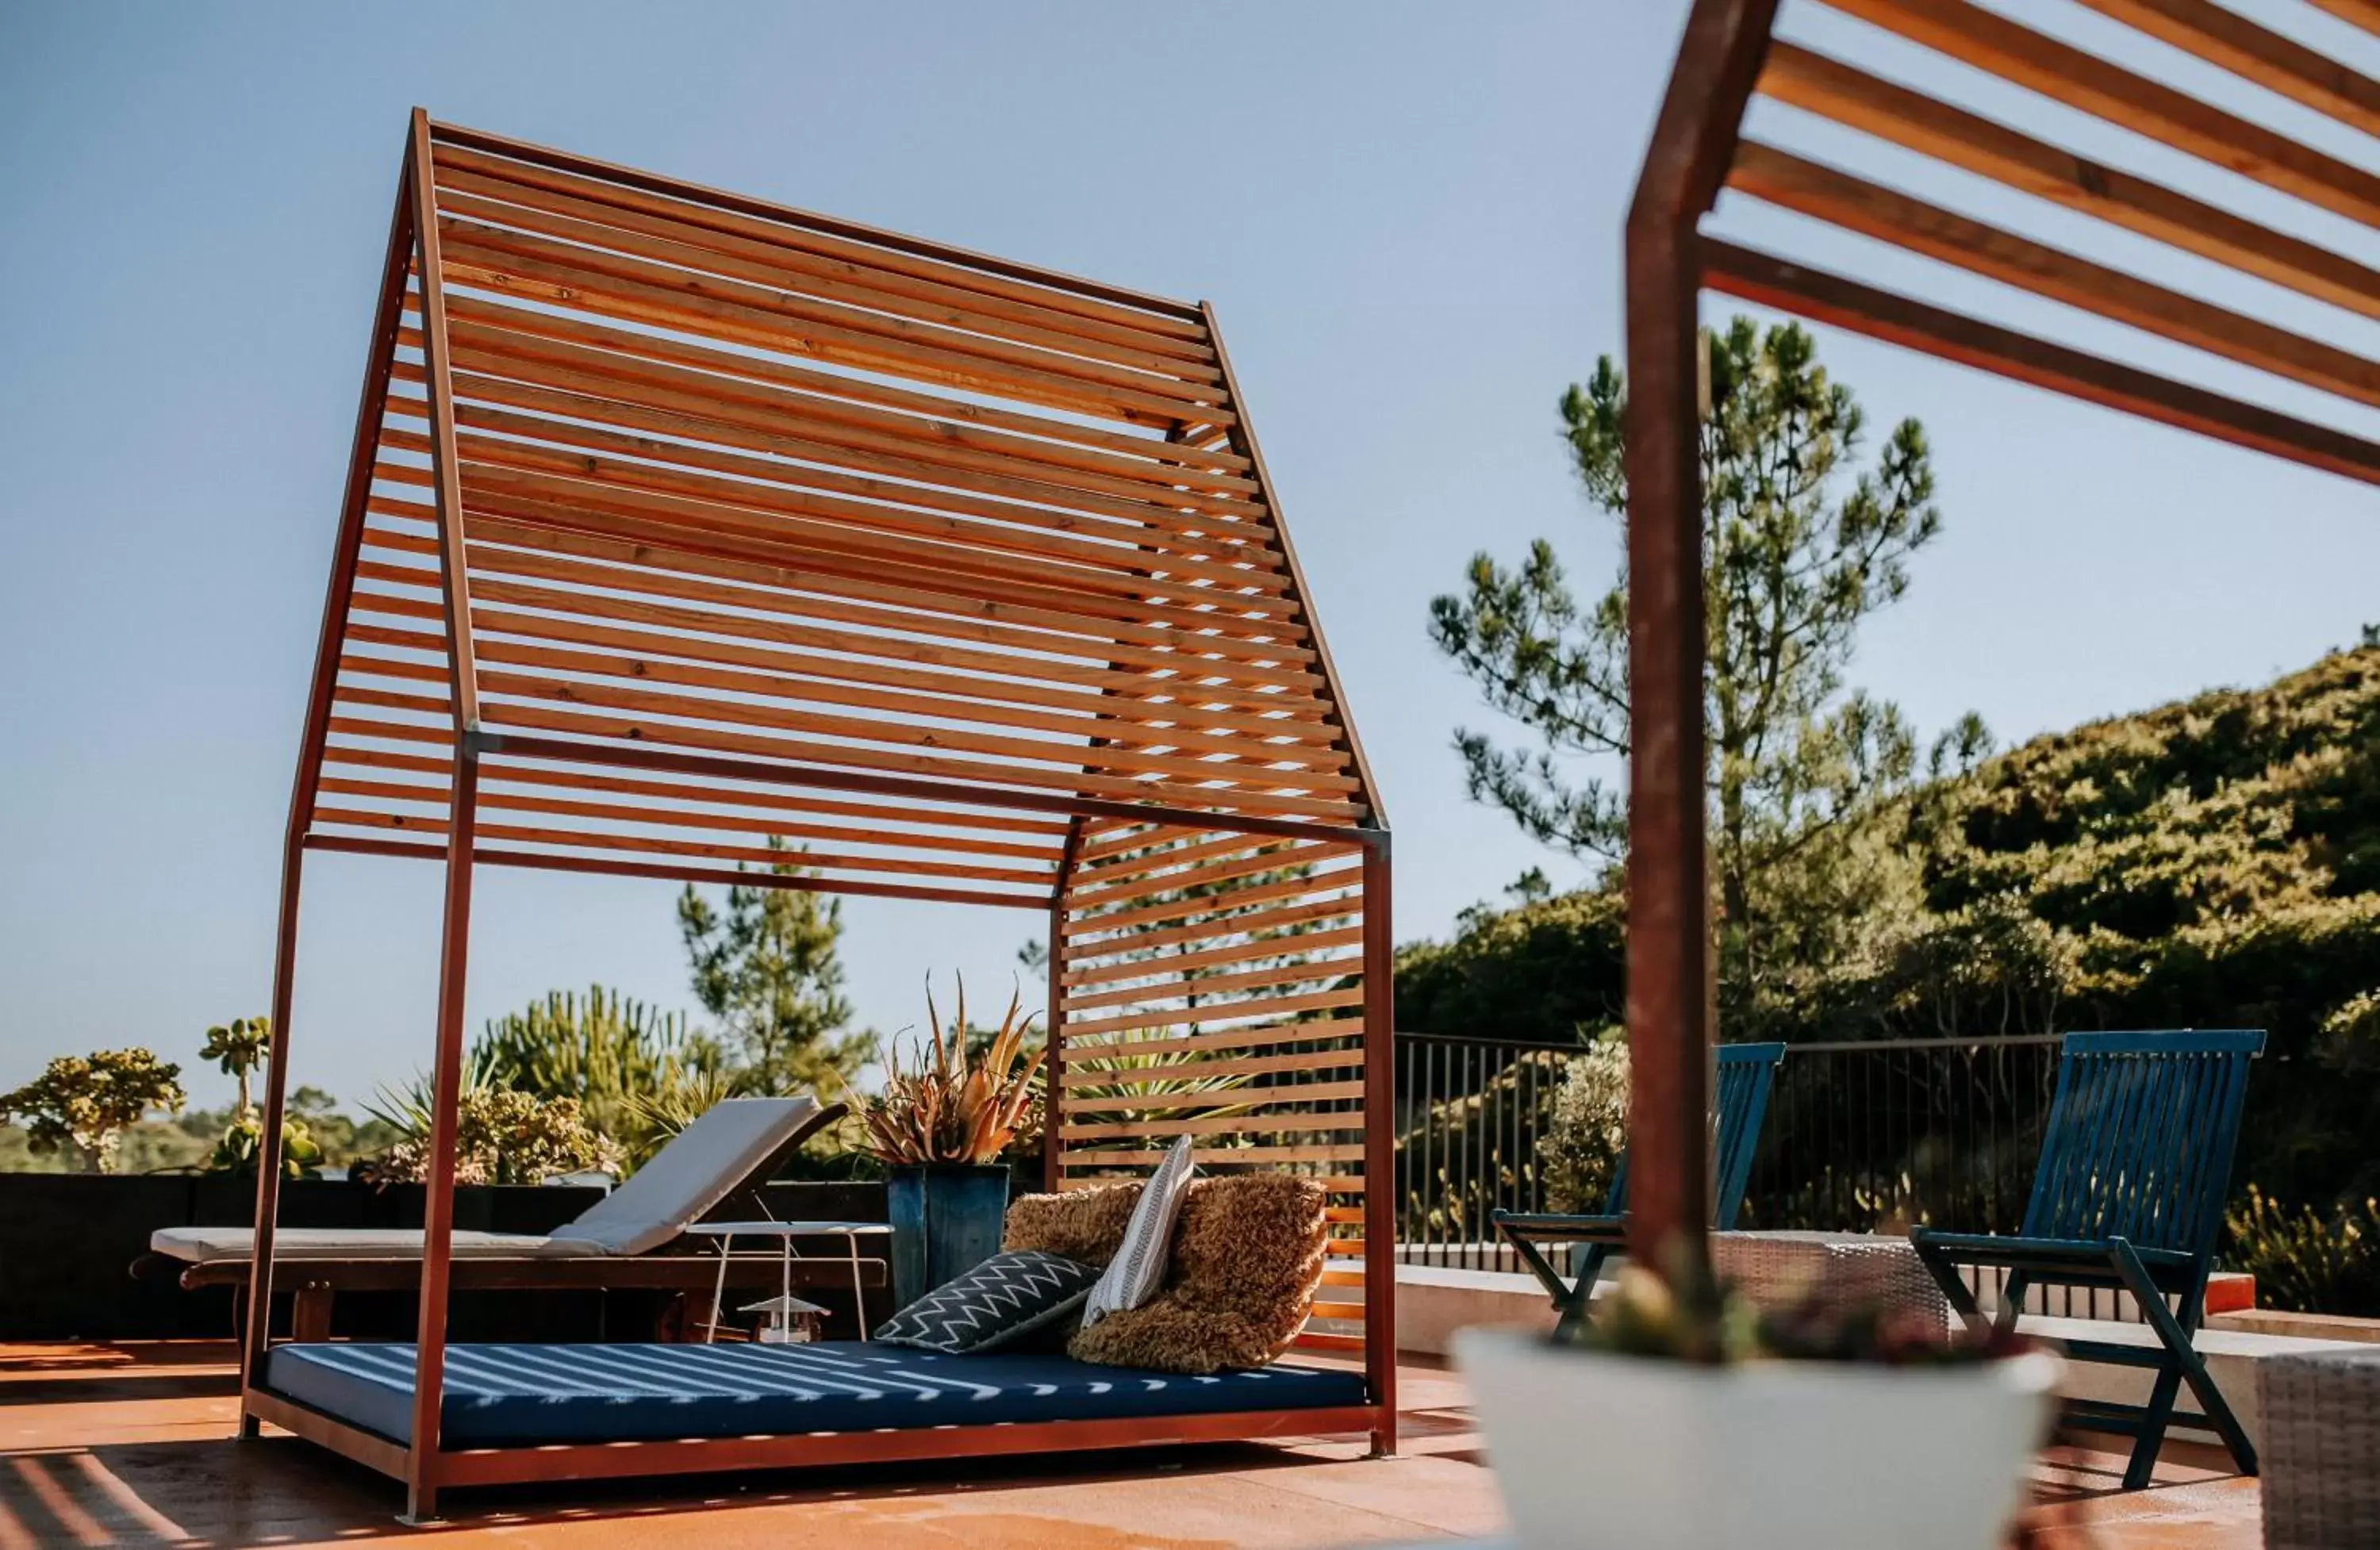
(130, 1445)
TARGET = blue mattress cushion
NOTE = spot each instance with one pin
(504, 1395)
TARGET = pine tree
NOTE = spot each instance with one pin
(766, 967)
(1794, 559)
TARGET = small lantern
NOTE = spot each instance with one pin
(787, 1321)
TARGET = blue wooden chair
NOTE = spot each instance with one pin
(2135, 1164)
(1746, 1071)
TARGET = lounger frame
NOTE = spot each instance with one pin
(676, 520)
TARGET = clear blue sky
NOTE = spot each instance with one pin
(1408, 218)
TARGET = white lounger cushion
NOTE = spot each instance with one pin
(693, 1173)
(689, 1176)
(200, 1246)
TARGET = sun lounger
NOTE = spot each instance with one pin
(722, 1159)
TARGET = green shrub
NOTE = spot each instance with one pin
(2306, 1262)
(1583, 1145)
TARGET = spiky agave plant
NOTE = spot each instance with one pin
(960, 1106)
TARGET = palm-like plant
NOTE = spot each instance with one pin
(962, 1105)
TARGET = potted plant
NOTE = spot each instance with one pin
(1674, 1422)
(939, 1128)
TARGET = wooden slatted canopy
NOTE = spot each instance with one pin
(2241, 77)
(682, 527)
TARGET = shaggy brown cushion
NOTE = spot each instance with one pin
(1086, 1226)
(1247, 1254)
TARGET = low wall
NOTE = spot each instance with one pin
(69, 1244)
(1433, 1302)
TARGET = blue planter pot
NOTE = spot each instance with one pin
(946, 1220)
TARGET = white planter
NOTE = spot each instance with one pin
(1594, 1449)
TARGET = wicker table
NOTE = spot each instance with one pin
(1841, 1270)
(2321, 1449)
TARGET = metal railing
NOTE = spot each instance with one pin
(1937, 1133)
(1859, 1135)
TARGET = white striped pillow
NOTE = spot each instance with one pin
(1137, 1272)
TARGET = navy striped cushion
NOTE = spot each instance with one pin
(512, 1395)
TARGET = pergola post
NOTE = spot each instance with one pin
(1379, 1141)
(1668, 894)
(438, 1207)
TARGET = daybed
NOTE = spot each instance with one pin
(518, 1396)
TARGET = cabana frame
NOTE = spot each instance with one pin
(1726, 58)
(677, 520)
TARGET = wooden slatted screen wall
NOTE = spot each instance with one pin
(746, 483)
(1211, 985)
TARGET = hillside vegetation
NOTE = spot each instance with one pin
(2213, 863)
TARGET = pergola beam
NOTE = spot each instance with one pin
(2083, 80)
(2281, 64)
(1669, 948)
(1809, 189)
(1765, 281)
(1856, 100)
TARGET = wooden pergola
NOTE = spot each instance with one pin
(678, 523)
(1727, 58)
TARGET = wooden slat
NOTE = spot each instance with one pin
(982, 675)
(1307, 859)
(1049, 432)
(675, 871)
(851, 335)
(1230, 1098)
(1973, 35)
(638, 729)
(808, 423)
(1336, 1184)
(1817, 84)
(1229, 1124)
(1195, 567)
(504, 200)
(753, 526)
(1209, 1155)
(2277, 64)
(1771, 282)
(847, 298)
(550, 272)
(778, 826)
(1141, 942)
(527, 518)
(1236, 952)
(2361, 13)
(1128, 1076)
(1217, 1012)
(1174, 857)
(782, 717)
(1087, 1051)
(633, 189)
(685, 575)
(1179, 909)
(530, 834)
(1788, 181)
(1307, 972)
(789, 676)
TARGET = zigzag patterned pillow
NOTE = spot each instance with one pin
(1006, 1296)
